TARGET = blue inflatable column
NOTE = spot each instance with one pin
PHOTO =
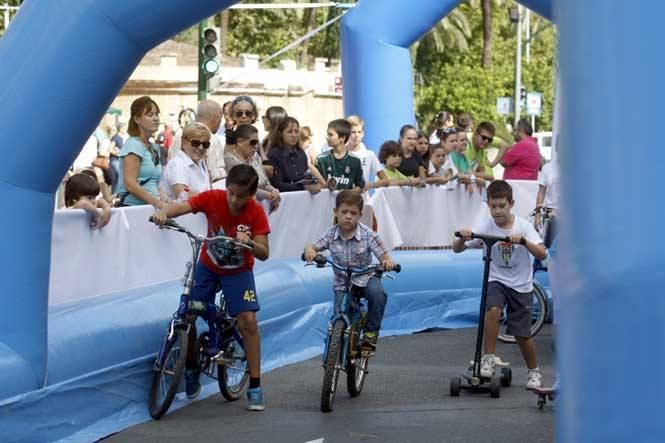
(612, 333)
(376, 63)
(63, 62)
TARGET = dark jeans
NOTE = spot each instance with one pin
(376, 303)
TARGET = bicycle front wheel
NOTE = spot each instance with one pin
(538, 314)
(356, 372)
(232, 373)
(332, 366)
(166, 378)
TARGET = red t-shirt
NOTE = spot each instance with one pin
(214, 205)
(522, 161)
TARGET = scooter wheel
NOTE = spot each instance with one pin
(495, 387)
(455, 386)
(506, 377)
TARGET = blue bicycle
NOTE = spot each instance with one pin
(219, 349)
(345, 331)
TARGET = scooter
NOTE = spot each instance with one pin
(471, 378)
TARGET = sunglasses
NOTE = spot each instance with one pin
(245, 113)
(197, 143)
(487, 139)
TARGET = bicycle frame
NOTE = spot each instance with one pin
(349, 311)
(213, 314)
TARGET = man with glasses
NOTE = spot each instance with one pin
(476, 151)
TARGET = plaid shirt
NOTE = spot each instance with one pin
(355, 251)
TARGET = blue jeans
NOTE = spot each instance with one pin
(376, 303)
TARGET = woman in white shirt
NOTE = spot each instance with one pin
(186, 174)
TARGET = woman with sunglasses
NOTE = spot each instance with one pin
(140, 167)
(186, 174)
(245, 152)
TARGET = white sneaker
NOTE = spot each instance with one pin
(534, 379)
(487, 366)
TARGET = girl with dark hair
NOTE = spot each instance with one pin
(272, 118)
(442, 120)
(291, 165)
(411, 164)
(81, 191)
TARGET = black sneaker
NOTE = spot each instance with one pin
(192, 384)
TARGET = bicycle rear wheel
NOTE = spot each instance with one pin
(232, 373)
(332, 366)
(538, 314)
(166, 379)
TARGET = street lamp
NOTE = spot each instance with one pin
(515, 15)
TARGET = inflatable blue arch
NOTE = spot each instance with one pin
(63, 62)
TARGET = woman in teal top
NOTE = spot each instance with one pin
(140, 168)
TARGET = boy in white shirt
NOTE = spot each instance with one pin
(371, 165)
(510, 278)
(548, 196)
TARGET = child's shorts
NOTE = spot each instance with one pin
(518, 307)
(239, 289)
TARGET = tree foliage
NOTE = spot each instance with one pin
(456, 81)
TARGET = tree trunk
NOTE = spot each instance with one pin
(223, 31)
(487, 33)
(309, 20)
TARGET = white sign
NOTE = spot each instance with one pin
(504, 105)
(534, 103)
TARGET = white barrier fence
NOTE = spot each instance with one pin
(130, 252)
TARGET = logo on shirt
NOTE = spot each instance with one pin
(347, 170)
(506, 249)
(225, 254)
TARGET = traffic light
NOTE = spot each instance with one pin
(523, 94)
(210, 50)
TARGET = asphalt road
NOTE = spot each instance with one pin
(405, 399)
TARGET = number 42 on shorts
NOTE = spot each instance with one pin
(249, 295)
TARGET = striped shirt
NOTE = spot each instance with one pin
(355, 251)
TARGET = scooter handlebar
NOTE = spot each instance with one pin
(492, 238)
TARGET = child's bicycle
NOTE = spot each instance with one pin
(345, 330)
(220, 349)
(541, 218)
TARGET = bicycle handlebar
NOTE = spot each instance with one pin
(171, 224)
(322, 260)
(492, 238)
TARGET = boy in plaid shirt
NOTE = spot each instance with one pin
(351, 244)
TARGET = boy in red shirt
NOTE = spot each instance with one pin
(233, 213)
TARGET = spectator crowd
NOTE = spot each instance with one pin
(144, 162)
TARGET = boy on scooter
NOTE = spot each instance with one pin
(510, 279)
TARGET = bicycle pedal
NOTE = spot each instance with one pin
(367, 353)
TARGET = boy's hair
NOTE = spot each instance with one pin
(421, 134)
(388, 149)
(434, 147)
(246, 131)
(140, 107)
(350, 198)
(486, 126)
(342, 128)
(500, 189)
(80, 185)
(304, 133)
(355, 120)
(245, 176)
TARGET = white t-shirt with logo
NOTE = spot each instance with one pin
(511, 263)
(369, 161)
(549, 177)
